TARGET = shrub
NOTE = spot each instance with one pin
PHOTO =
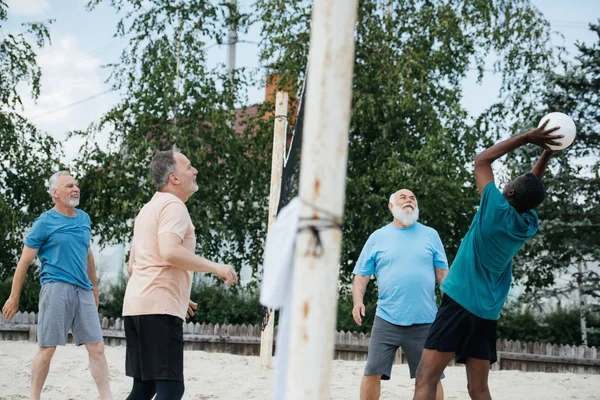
(30, 293)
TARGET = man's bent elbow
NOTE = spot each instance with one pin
(169, 255)
(480, 160)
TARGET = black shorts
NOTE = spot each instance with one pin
(154, 347)
(459, 331)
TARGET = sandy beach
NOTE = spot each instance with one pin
(225, 376)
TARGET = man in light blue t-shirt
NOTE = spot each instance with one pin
(479, 280)
(60, 238)
(407, 258)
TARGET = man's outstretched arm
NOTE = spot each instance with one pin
(483, 161)
(540, 166)
(12, 304)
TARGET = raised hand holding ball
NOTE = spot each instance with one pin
(567, 129)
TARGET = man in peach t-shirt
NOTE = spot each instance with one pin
(157, 298)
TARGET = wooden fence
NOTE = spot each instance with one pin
(245, 340)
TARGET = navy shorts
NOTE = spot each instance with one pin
(459, 331)
(154, 347)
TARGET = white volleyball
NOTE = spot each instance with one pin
(567, 128)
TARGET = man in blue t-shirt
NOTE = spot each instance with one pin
(406, 257)
(479, 280)
(60, 238)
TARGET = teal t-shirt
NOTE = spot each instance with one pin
(403, 261)
(481, 274)
(62, 244)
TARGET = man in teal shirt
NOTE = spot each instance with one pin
(479, 280)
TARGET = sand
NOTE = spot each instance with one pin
(225, 376)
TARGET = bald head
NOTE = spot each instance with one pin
(401, 196)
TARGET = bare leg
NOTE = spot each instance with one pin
(370, 387)
(477, 378)
(430, 369)
(39, 370)
(439, 393)
(99, 369)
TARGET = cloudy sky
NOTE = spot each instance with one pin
(74, 89)
(74, 92)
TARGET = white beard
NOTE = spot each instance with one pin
(407, 217)
(73, 202)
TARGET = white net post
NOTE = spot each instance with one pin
(322, 187)
(279, 135)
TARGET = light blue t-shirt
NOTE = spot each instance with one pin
(403, 261)
(481, 273)
(63, 244)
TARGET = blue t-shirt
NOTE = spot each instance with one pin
(403, 261)
(63, 244)
(481, 273)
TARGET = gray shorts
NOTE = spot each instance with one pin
(385, 340)
(65, 307)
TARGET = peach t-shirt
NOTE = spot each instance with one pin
(156, 287)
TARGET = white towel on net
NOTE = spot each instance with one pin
(276, 288)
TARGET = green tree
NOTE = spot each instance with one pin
(408, 126)
(172, 99)
(570, 216)
(216, 304)
(28, 155)
(559, 325)
(516, 325)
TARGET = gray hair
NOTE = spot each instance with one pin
(162, 165)
(53, 180)
(392, 198)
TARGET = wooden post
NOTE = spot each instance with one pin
(322, 189)
(33, 333)
(279, 135)
(582, 305)
(232, 40)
